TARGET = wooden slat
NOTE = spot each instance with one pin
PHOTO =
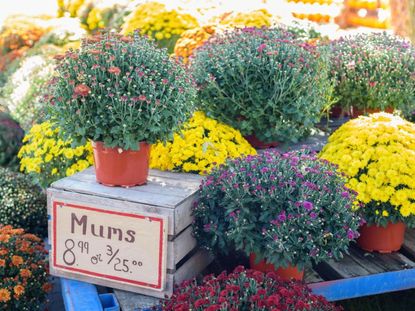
(157, 192)
(343, 269)
(133, 302)
(196, 264)
(118, 193)
(151, 187)
(408, 247)
(178, 247)
(311, 276)
(184, 243)
(182, 180)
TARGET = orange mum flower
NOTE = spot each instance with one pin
(47, 287)
(25, 273)
(18, 290)
(4, 238)
(3, 252)
(4, 295)
(31, 237)
(2, 262)
(17, 260)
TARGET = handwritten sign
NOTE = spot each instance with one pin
(122, 247)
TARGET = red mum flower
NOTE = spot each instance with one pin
(82, 90)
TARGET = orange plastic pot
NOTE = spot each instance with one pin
(259, 144)
(118, 167)
(356, 112)
(382, 239)
(291, 272)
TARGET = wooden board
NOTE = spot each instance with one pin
(161, 190)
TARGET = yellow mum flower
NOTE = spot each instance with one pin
(202, 144)
(48, 158)
(377, 154)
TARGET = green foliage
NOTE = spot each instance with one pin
(291, 209)
(373, 71)
(263, 82)
(22, 204)
(11, 136)
(121, 90)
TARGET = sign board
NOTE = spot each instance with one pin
(123, 247)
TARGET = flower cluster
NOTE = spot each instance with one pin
(202, 144)
(120, 90)
(154, 20)
(47, 157)
(22, 204)
(262, 82)
(11, 136)
(377, 155)
(245, 290)
(18, 32)
(373, 71)
(288, 208)
(24, 87)
(71, 7)
(190, 40)
(23, 271)
(258, 18)
(102, 17)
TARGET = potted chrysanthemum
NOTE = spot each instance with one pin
(372, 72)
(265, 82)
(123, 94)
(285, 211)
(377, 155)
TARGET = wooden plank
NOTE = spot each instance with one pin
(408, 247)
(134, 302)
(196, 264)
(150, 187)
(183, 213)
(117, 193)
(379, 263)
(311, 276)
(183, 180)
(343, 269)
(183, 244)
(367, 260)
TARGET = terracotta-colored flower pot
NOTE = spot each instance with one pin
(382, 239)
(356, 112)
(118, 167)
(258, 144)
(291, 272)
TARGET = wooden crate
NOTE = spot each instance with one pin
(166, 199)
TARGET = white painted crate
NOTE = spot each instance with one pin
(168, 196)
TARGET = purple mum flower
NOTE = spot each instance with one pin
(308, 205)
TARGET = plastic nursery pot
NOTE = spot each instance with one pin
(356, 112)
(258, 144)
(118, 167)
(382, 239)
(291, 272)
